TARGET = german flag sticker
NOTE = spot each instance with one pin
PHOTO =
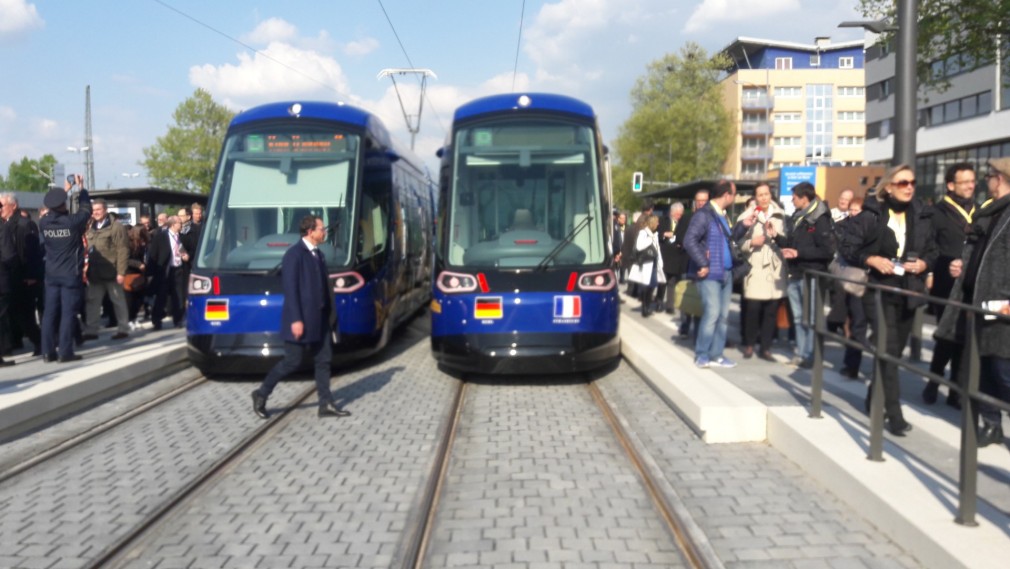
(487, 307)
(217, 309)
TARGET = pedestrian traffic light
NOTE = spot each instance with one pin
(636, 182)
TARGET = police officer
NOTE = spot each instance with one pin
(62, 234)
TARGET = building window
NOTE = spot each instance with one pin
(850, 92)
(786, 141)
(963, 108)
(820, 121)
(851, 116)
(783, 63)
(789, 92)
(815, 60)
(787, 117)
(846, 62)
(851, 141)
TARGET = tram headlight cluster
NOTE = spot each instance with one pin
(598, 280)
(449, 282)
(199, 285)
(347, 282)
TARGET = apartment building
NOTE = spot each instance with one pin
(794, 105)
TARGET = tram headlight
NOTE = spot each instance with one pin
(346, 282)
(199, 285)
(598, 280)
(449, 282)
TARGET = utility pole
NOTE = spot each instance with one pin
(905, 84)
(89, 157)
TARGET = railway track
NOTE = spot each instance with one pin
(676, 519)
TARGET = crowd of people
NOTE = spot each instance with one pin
(80, 267)
(953, 249)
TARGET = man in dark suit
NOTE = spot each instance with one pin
(306, 319)
(167, 256)
(672, 249)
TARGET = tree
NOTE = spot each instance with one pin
(679, 129)
(185, 157)
(30, 175)
(962, 33)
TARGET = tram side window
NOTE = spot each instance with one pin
(372, 227)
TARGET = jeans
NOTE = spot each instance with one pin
(715, 299)
(996, 382)
(804, 335)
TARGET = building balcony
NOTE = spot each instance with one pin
(764, 153)
(762, 128)
(753, 175)
(762, 102)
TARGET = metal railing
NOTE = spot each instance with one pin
(967, 388)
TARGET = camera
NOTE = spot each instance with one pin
(72, 179)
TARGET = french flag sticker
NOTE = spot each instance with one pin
(567, 307)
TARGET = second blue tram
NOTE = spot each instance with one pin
(279, 163)
(523, 279)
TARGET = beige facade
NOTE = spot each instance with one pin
(773, 108)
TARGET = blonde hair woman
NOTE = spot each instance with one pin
(649, 262)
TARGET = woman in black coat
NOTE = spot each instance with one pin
(891, 238)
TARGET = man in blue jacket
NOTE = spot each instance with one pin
(62, 233)
(306, 319)
(710, 263)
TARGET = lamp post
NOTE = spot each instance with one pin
(46, 175)
(905, 81)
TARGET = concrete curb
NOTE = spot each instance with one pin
(51, 396)
(717, 409)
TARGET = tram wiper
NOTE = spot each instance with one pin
(542, 266)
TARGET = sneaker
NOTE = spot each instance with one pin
(724, 362)
(701, 362)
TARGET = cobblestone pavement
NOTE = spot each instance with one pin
(758, 509)
(322, 492)
(537, 480)
(70, 508)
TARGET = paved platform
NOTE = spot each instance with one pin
(912, 496)
(34, 393)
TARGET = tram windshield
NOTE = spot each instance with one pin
(268, 180)
(521, 189)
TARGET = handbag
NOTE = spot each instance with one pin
(741, 264)
(686, 298)
(134, 282)
(637, 275)
(839, 268)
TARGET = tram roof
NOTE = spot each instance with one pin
(687, 190)
(322, 110)
(511, 102)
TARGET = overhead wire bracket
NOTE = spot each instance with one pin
(413, 126)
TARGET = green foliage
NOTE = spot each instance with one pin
(184, 158)
(25, 176)
(967, 30)
(679, 129)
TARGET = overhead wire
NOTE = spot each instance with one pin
(411, 64)
(247, 46)
(515, 66)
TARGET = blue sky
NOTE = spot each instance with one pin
(142, 58)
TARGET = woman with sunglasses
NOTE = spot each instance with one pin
(891, 238)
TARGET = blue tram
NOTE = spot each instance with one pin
(523, 279)
(279, 163)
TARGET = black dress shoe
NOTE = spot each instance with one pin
(331, 410)
(929, 392)
(850, 373)
(897, 429)
(748, 352)
(156, 326)
(260, 405)
(767, 356)
(120, 336)
(50, 358)
(954, 399)
(990, 433)
(73, 358)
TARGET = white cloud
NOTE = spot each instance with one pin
(7, 114)
(271, 30)
(361, 47)
(18, 16)
(280, 71)
(712, 12)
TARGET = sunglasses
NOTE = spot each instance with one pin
(904, 183)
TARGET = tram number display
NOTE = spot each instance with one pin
(301, 143)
